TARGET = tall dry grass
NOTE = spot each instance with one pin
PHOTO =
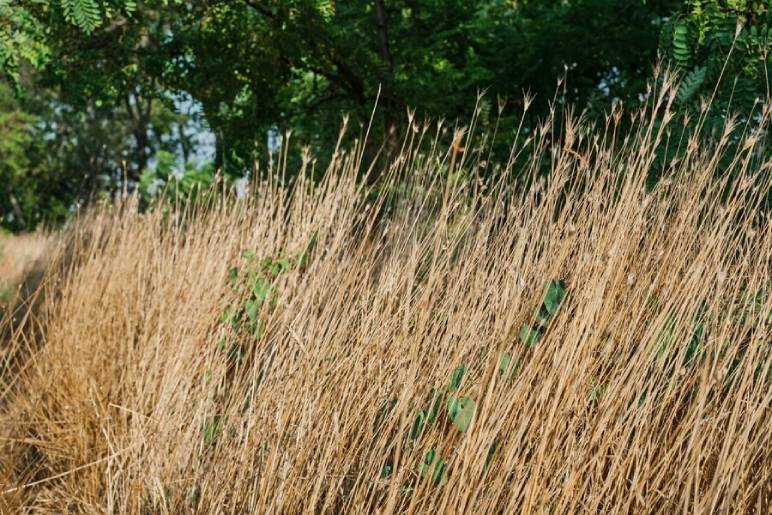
(20, 256)
(130, 400)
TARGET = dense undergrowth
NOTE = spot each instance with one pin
(464, 340)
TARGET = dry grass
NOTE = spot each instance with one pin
(131, 405)
(19, 256)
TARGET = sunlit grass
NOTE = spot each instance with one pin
(567, 343)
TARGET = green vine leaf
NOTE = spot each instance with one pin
(461, 411)
(556, 291)
(528, 335)
(435, 468)
(455, 378)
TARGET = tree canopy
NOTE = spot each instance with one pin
(93, 90)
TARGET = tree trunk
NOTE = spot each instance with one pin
(22, 223)
(139, 112)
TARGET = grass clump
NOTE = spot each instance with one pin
(505, 341)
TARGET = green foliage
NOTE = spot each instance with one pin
(690, 84)
(688, 337)
(31, 31)
(105, 75)
(461, 411)
(33, 188)
(504, 362)
(434, 468)
(21, 38)
(255, 281)
(256, 278)
(84, 14)
(530, 334)
(166, 181)
(300, 63)
(713, 39)
(681, 44)
(455, 379)
(556, 291)
(212, 428)
(457, 409)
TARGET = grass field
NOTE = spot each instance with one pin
(567, 344)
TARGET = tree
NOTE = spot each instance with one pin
(722, 51)
(722, 47)
(91, 81)
(256, 66)
(33, 188)
(326, 58)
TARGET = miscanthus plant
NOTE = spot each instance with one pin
(464, 339)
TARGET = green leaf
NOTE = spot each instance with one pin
(252, 308)
(435, 468)
(326, 9)
(681, 46)
(690, 84)
(212, 429)
(435, 407)
(232, 317)
(461, 411)
(528, 336)
(504, 362)
(489, 455)
(418, 425)
(694, 344)
(508, 364)
(386, 470)
(284, 264)
(84, 14)
(455, 378)
(542, 317)
(261, 289)
(233, 275)
(555, 293)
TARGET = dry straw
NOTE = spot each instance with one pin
(645, 388)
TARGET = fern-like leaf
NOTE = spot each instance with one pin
(690, 84)
(84, 14)
(681, 47)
